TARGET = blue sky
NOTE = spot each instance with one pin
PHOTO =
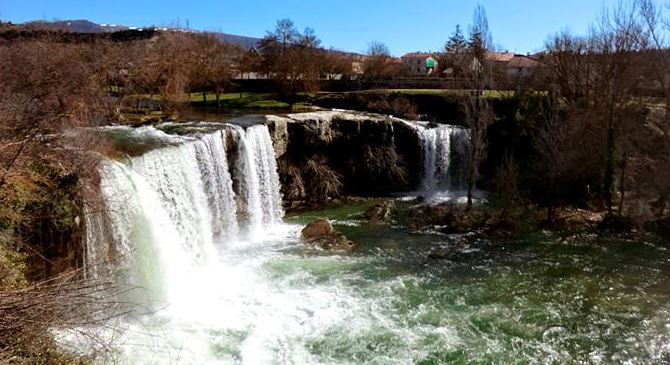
(404, 25)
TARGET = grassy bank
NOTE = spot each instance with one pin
(242, 100)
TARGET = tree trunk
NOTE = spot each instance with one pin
(471, 185)
(551, 202)
(204, 98)
(551, 213)
(622, 184)
(218, 101)
(468, 207)
(608, 180)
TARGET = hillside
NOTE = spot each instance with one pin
(87, 26)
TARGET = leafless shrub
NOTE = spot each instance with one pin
(403, 106)
(323, 182)
(29, 317)
(384, 161)
(293, 184)
(398, 105)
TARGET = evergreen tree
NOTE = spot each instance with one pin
(456, 42)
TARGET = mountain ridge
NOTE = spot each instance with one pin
(87, 26)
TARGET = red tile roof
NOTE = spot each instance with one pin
(520, 61)
(419, 55)
(500, 56)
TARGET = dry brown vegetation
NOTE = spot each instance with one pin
(603, 123)
(592, 129)
(29, 316)
(48, 88)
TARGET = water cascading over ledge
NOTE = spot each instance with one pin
(371, 155)
(165, 209)
(222, 182)
(444, 155)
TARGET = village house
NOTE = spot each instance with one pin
(522, 66)
(515, 65)
(420, 63)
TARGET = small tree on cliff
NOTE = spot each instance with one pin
(554, 144)
(477, 110)
(478, 116)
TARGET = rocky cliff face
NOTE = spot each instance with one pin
(332, 153)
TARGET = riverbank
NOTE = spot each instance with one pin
(485, 220)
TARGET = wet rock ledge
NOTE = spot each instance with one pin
(330, 154)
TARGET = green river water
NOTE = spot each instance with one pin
(546, 299)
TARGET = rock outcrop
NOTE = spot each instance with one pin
(450, 217)
(381, 213)
(328, 154)
(321, 233)
(278, 127)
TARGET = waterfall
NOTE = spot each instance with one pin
(218, 183)
(264, 158)
(168, 209)
(443, 151)
(259, 185)
(152, 250)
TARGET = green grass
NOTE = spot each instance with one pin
(242, 100)
(301, 106)
(267, 104)
(232, 97)
(494, 94)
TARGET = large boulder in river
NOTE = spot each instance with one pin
(381, 213)
(318, 228)
(321, 233)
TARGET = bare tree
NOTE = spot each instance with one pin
(568, 65)
(477, 110)
(614, 45)
(478, 117)
(211, 62)
(479, 29)
(554, 144)
(289, 57)
(378, 63)
(655, 45)
(334, 63)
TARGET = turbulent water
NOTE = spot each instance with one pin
(197, 226)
